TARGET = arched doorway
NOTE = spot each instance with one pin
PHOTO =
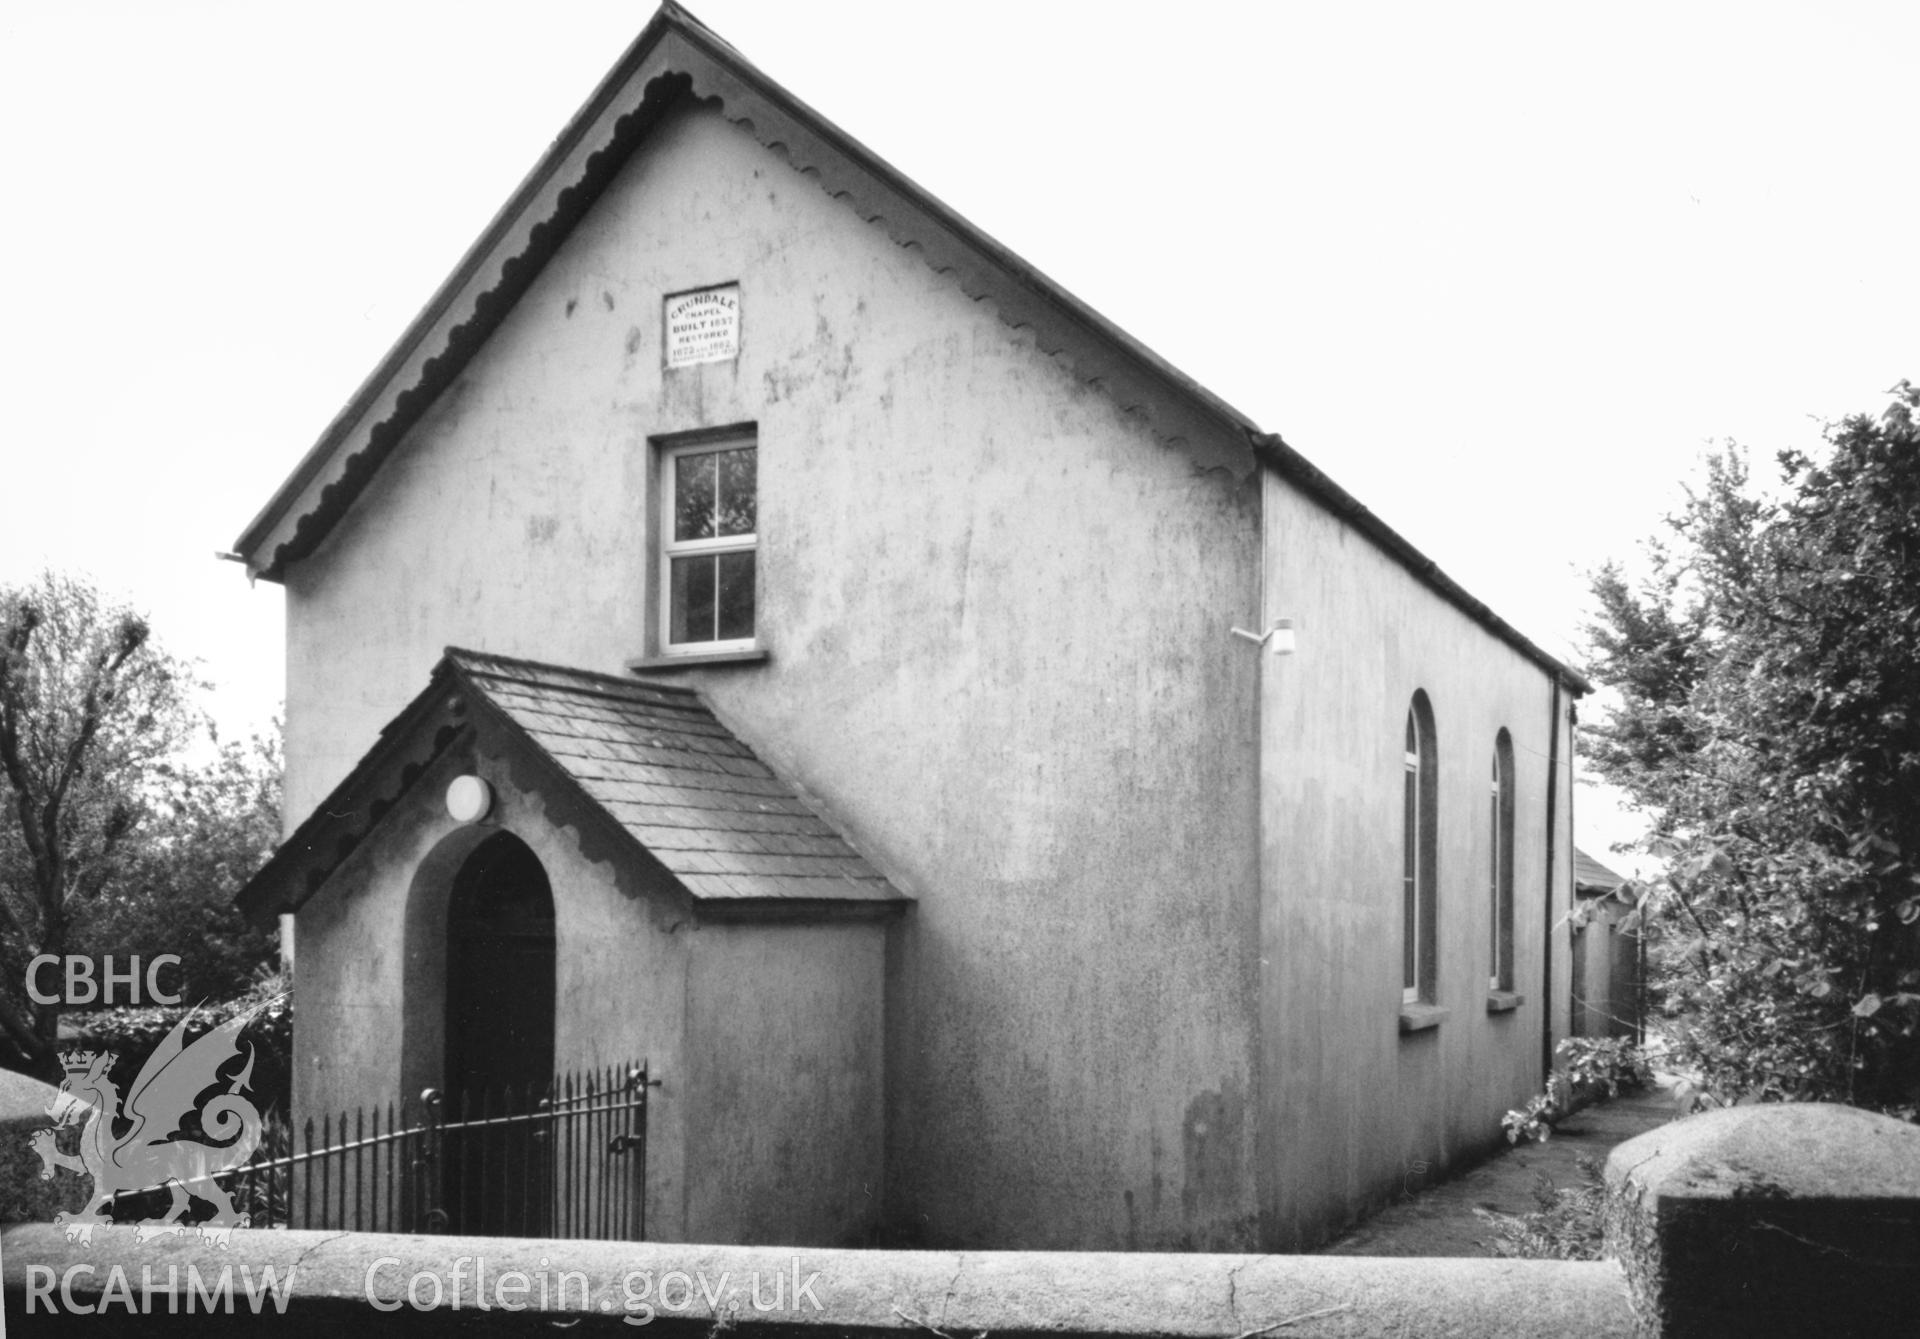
(499, 1039)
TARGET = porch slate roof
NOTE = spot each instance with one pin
(643, 772)
(656, 759)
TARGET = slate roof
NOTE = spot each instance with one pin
(1590, 876)
(643, 772)
(684, 786)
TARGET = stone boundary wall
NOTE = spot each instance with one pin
(1789, 1219)
(1752, 1221)
(362, 1280)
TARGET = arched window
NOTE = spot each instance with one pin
(1500, 866)
(1418, 816)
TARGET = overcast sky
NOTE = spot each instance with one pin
(1502, 271)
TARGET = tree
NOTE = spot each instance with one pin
(1769, 725)
(212, 826)
(90, 715)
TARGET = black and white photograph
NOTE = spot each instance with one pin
(857, 669)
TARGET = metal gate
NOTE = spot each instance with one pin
(567, 1160)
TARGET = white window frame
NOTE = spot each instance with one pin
(1410, 879)
(1496, 872)
(1500, 827)
(669, 548)
(1420, 873)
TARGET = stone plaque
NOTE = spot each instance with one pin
(703, 326)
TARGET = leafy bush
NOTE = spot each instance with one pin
(1592, 1067)
(1769, 726)
(1609, 1063)
(131, 1034)
(1536, 1119)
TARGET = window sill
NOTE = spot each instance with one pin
(753, 655)
(1503, 1001)
(1420, 1017)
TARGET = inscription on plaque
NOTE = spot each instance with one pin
(703, 326)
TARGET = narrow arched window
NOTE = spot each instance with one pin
(1500, 866)
(1419, 808)
(1410, 869)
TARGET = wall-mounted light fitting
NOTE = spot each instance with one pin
(1277, 639)
(469, 799)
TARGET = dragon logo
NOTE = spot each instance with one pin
(142, 1145)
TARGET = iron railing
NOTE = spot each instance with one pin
(565, 1159)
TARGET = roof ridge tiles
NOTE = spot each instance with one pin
(566, 679)
(466, 654)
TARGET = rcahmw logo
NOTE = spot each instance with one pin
(54, 1293)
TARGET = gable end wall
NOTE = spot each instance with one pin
(997, 612)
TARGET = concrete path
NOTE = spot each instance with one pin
(1441, 1220)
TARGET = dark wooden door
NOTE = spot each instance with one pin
(499, 1063)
